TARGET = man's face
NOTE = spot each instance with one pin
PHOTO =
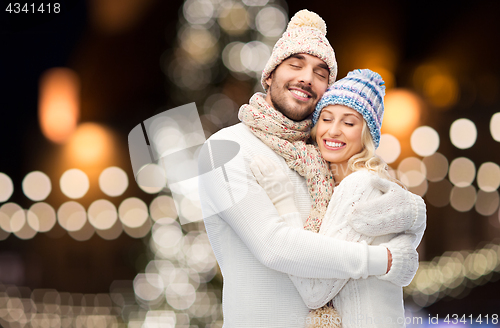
(296, 85)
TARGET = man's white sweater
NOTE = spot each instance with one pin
(256, 249)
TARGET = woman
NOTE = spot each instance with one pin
(346, 133)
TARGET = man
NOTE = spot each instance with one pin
(254, 248)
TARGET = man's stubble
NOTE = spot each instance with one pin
(291, 109)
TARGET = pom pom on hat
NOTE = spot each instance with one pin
(306, 34)
(306, 18)
(362, 90)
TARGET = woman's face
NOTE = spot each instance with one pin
(339, 130)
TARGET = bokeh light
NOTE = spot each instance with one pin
(463, 133)
(84, 233)
(420, 189)
(41, 217)
(90, 144)
(255, 3)
(488, 176)
(113, 181)
(495, 126)
(151, 179)
(140, 231)
(23, 230)
(190, 210)
(438, 193)
(6, 187)
(9, 211)
(231, 56)
(412, 171)
(436, 167)
(437, 84)
(102, 214)
(487, 202)
(17, 216)
(463, 198)
(254, 56)
(36, 186)
(199, 252)
(163, 207)
(424, 141)
(234, 19)
(462, 172)
(58, 107)
(71, 216)
(402, 112)
(4, 221)
(389, 148)
(4, 225)
(271, 22)
(112, 233)
(74, 183)
(186, 73)
(199, 43)
(219, 110)
(198, 11)
(133, 212)
(180, 295)
(166, 233)
(148, 289)
(441, 90)
(112, 17)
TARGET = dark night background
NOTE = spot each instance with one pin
(122, 84)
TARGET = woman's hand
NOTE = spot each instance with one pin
(396, 210)
(276, 183)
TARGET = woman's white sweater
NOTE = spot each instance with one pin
(372, 301)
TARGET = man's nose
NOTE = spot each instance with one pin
(306, 76)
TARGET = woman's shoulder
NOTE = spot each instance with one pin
(358, 181)
(362, 176)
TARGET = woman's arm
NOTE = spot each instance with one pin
(355, 191)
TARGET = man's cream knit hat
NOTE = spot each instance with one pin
(306, 34)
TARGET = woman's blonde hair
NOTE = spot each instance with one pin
(366, 159)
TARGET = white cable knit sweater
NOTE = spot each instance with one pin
(369, 302)
(256, 249)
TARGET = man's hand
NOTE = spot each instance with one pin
(389, 260)
(276, 183)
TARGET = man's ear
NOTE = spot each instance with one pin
(269, 80)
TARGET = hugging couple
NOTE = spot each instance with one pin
(308, 227)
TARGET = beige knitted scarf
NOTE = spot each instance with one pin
(287, 138)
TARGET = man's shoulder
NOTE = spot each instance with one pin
(243, 136)
(234, 132)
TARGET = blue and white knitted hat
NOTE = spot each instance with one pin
(362, 90)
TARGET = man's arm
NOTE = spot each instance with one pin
(245, 206)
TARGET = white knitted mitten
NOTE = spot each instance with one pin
(276, 183)
(395, 211)
(404, 260)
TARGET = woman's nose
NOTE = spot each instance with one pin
(335, 130)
